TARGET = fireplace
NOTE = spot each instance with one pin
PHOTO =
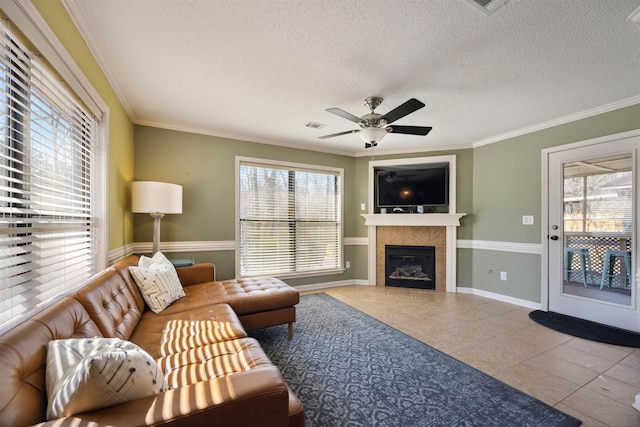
(410, 266)
(419, 229)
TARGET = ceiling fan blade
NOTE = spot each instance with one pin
(399, 112)
(344, 114)
(411, 130)
(339, 133)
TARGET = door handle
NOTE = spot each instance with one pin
(554, 237)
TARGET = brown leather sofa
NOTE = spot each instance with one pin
(222, 379)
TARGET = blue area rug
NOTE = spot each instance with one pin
(349, 369)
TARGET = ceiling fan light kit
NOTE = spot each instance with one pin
(374, 126)
(373, 135)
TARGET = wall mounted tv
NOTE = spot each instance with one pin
(412, 185)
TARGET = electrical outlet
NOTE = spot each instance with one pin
(503, 275)
(348, 264)
(527, 219)
(363, 207)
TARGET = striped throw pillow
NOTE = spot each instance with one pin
(90, 373)
(158, 282)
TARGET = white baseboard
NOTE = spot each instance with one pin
(327, 285)
(499, 297)
(462, 290)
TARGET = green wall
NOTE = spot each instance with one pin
(507, 174)
(120, 168)
(496, 183)
(507, 185)
(205, 167)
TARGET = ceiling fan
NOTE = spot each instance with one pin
(374, 126)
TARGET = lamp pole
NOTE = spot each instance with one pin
(156, 231)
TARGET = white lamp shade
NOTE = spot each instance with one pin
(373, 134)
(156, 197)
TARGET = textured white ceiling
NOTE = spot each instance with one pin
(260, 70)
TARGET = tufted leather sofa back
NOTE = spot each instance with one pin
(112, 304)
(23, 358)
(122, 268)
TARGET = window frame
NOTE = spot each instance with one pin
(27, 21)
(291, 166)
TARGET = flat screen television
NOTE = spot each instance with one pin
(412, 185)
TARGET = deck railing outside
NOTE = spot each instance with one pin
(598, 244)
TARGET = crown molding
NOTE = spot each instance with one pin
(85, 32)
(561, 120)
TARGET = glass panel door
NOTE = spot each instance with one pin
(598, 208)
(591, 252)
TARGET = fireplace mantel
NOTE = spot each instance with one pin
(427, 220)
(450, 221)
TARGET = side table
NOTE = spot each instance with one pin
(182, 262)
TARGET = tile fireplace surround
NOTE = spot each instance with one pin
(437, 230)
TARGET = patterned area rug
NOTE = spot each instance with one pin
(349, 369)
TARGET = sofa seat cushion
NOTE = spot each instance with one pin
(154, 329)
(212, 361)
(245, 296)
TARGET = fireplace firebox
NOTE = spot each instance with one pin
(410, 266)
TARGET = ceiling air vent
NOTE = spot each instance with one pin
(315, 125)
(487, 6)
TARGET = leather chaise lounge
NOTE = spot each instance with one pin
(221, 378)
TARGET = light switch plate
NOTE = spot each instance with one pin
(527, 219)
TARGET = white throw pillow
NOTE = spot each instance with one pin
(158, 258)
(145, 261)
(91, 373)
(158, 281)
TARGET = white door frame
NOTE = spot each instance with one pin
(546, 153)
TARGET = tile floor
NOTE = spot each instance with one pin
(594, 382)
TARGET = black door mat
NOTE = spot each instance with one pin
(586, 329)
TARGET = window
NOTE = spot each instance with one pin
(49, 177)
(601, 200)
(289, 219)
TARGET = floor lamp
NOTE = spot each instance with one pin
(156, 199)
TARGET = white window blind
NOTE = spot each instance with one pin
(289, 220)
(47, 183)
